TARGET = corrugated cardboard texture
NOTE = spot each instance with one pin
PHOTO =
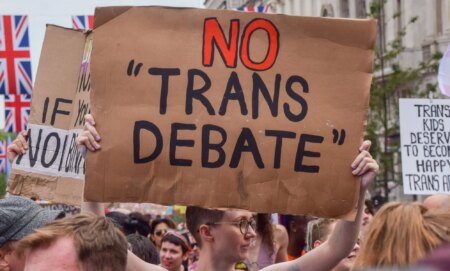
(53, 167)
(333, 56)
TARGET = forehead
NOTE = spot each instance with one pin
(63, 257)
(170, 246)
(235, 214)
(162, 225)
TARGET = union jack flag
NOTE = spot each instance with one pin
(83, 21)
(260, 9)
(3, 155)
(15, 63)
(17, 112)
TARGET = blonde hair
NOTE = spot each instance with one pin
(100, 246)
(318, 229)
(400, 234)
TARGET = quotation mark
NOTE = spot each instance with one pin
(131, 67)
(337, 136)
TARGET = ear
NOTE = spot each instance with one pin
(4, 264)
(317, 243)
(205, 233)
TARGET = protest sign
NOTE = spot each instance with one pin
(425, 144)
(228, 109)
(53, 167)
(69, 210)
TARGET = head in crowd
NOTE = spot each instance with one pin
(400, 234)
(174, 250)
(319, 231)
(19, 217)
(296, 228)
(367, 216)
(158, 228)
(193, 252)
(140, 222)
(83, 242)
(143, 248)
(438, 203)
(123, 222)
(221, 234)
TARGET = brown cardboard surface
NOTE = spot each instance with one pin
(53, 167)
(333, 56)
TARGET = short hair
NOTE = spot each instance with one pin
(169, 222)
(318, 229)
(402, 233)
(98, 243)
(122, 222)
(140, 222)
(177, 239)
(197, 216)
(142, 247)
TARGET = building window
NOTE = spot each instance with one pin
(399, 16)
(345, 9)
(327, 11)
(439, 26)
(360, 8)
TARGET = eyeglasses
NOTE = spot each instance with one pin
(160, 233)
(243, 225)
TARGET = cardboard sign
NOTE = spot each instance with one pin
(425, 139)
(53, 168)
(228, 109)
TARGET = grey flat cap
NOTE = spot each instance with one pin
(20, 217)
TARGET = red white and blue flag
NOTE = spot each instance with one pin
(83, 22)
(3, 155)
(260, 9)
(17, 112)
(15, 62)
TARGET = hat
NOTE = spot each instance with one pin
(20, 217)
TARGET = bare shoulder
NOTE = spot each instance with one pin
(280, 234)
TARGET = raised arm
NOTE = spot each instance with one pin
(18, 146)
(89, 139)
(345, 233)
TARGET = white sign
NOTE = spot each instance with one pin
(425, 144)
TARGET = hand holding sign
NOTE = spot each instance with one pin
(18, 146)
(365, 166)
(254, 107)
(89, 137)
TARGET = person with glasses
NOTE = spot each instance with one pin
(158, 228)
(224, 235)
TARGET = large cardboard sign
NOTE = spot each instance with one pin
(425, 139)
(53, 168)
(228, 109)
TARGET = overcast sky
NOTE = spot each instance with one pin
(60, 12)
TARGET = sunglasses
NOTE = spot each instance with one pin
(160, 233)
(243, 225)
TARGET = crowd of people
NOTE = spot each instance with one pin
(409, 235)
